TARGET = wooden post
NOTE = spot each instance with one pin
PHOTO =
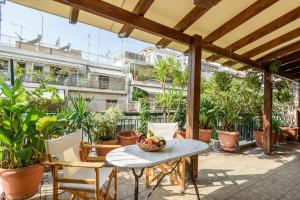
(193, 98)
(267, 118)
(298, 110)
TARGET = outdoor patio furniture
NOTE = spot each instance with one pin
(79, 178)
(134, 158)
(168, 132)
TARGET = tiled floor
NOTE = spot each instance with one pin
(250, 175)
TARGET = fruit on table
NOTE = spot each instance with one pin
(152, 140)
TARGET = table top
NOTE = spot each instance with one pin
(134, 157)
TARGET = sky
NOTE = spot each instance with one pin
(14, 15)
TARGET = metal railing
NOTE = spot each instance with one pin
(133, 123)
(112, 84)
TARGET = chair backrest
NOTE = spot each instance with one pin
(165, 130)
(65, 148)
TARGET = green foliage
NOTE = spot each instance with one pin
(208, 112)
(105, 125)
(171, 99)
(145, 114)
(276, 124)
(78, 116)
(275, 65)
(137, 94)
(24, 127)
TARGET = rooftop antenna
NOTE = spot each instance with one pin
(98, 45)
(36, 40)
(57, 43)
(1, 2)
(66, 47)
(89, 45)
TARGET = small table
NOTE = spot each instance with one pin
(135, 158)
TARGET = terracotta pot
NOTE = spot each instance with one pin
(292, 132)
(126, 138)
(21, 183)
(205, 135)
(259, 138)
(181, 133)
(228, 140)
(104, 151)
(86, 153)
(282, 138)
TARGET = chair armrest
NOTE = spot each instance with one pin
(76, 164)
(99, 146)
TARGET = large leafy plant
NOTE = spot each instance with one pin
(105, 125)
(23, 127)
(145, 114)
(208, 112)
(78, 116)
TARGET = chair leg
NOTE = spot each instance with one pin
(55, 183)
(72, 197)
(183, 174)
(147, 178)
(97, 184)
(116, 183)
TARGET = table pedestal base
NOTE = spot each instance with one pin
(137, 177)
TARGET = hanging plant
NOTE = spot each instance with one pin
(275, 65)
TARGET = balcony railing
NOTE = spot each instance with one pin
(116, 84)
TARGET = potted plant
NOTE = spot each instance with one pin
(284, 105)
(208, 118)
(78, 117)
(105, 127)
(225, 92)
(23, 129)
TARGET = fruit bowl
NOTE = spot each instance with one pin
(150, 145)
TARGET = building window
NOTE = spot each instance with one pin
(159, 57)
(103, 82)
(4, 65)
(110, 103)
(22, 65)
(38, 68)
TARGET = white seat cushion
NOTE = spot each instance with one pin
(87, 173)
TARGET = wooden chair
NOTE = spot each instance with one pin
(168, 132)
(79, 178)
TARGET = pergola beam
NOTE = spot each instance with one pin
(291, 68)
(280, 52)
(120, 15)
(73, 17)
(202, 6)
(239, 19)
(140, 9)
(266, 29)
(269, 45)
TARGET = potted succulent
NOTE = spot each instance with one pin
(208, 118)
(105, 127)
(23, 129)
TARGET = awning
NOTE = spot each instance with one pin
(154, 90)
(111, 72)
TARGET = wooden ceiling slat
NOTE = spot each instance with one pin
(140, 9)
(239, 19)
(280, 52)
(291, 68)
(290, 57)
(189, 19)
(120, 15)
(269, 45)
(73, 17)
(115, 13)
(266, 29)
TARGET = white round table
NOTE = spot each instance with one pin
(135, 158)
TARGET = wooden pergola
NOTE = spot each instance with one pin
(243, 34)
